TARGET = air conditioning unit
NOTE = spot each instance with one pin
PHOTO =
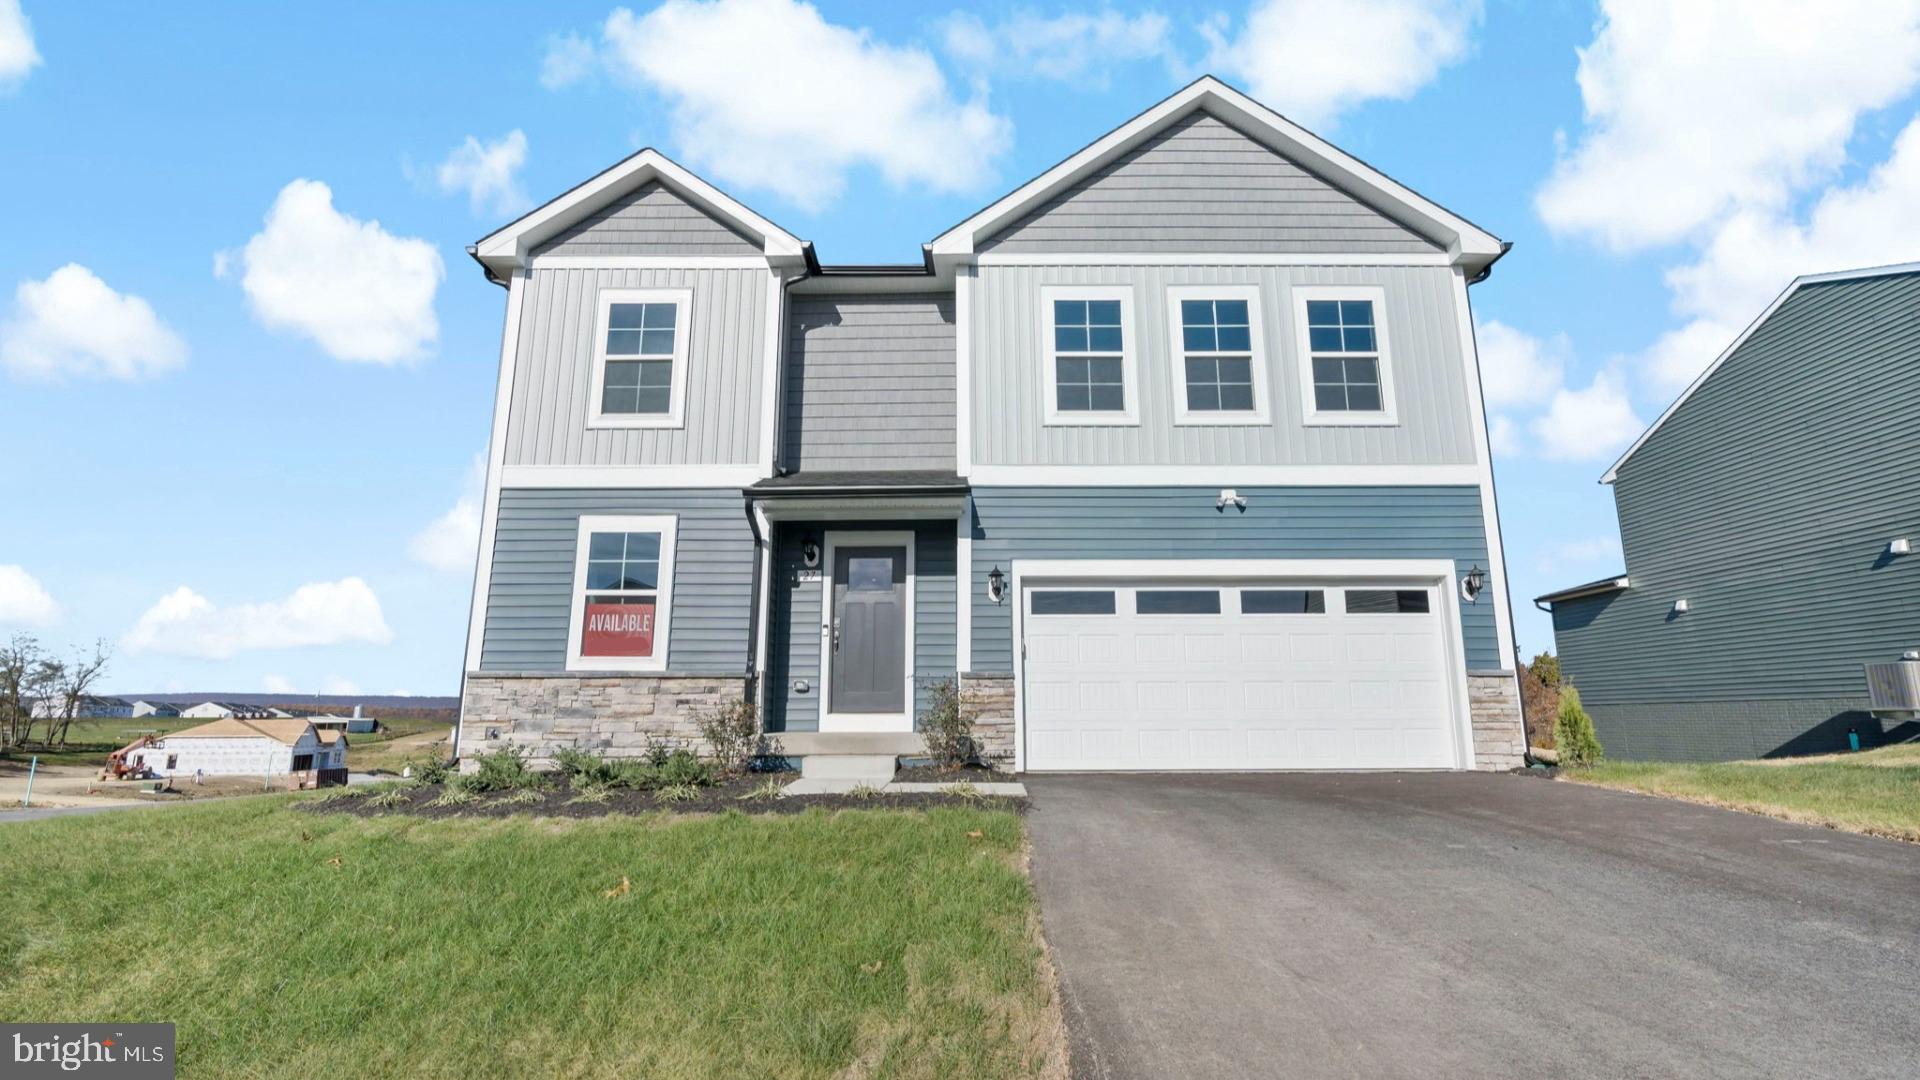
(1893, 690)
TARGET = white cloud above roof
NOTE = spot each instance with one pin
(1077, 47)
(358, 291)
(487, 173)
(23, 600)
(18, 56)
(1591, 424)
(74, 324)
(185, 623)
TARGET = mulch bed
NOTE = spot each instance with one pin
(558, 801)
(952, 774)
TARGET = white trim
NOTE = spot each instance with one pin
(770, 381)
(496, 460)
(1206, 258)
(764, 602)
(1310, 413)
(1223, 475)
(1051, 416)
(1262, 414)
(1596, 588)
(963, 370)
(829, 721)
(1502, 597)
(675, 416)
(655, 476)
(667, 525)
(1466, 243)
(1435, 573)
(1613, 471)
(963, 590)
(647, 262)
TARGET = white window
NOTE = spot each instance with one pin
(1345, 373)
(622, 594)
(640, 358)
(1086, 335)
(1219, 357)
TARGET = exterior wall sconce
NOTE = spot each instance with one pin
(810, 553)
(996, 585)
(1681, 607)
(1900, 546)
(1473, 584)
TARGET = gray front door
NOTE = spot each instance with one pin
(868, 634)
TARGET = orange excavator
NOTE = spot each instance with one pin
(117, 767)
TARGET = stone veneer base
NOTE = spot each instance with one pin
(987, 700)
(610, 715)
(1499, 734)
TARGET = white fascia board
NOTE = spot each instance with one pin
(1224, 475)
(1466, 243)
(1429, 570)
(630, 476)
(1210, 258)
(1613, 471)
(509, 246)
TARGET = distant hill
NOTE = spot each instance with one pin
(373, 704)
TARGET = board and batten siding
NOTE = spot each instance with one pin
(652, 220)
(1204, 186)
(553, 370)
(1009, 380)
(793, 641)
(870, 382)
(1767, 501)
(530, 594)
(1182, 523)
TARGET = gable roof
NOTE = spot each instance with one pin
(1468, 245)
(1613, 471)
(509, 246)
(286, 731)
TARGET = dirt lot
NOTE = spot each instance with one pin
(80, 785)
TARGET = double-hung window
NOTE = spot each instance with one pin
(1343, 345)
(1219, 362)
(1087, 340)
(640, 352)
(622, 594)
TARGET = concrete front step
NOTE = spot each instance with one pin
(802, 743)
(873, 769)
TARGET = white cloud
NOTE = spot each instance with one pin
(1503, 436)
(184, 623)
(1696, 110)
(357, 290)
(23, 600)
(1517, 368)
(766, 94)
(569, 59)
(450, 541)
(485, 172)
(17, 53)
(277, 684)
(1593, 424)
(75, 324)
(339, 686)
(1076, 47)
(1312, 62)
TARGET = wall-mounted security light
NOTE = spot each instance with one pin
(1900, 546)
(1681, 607)
(1473, 584)
(996, 585)
(810, 554)
(1230, 497)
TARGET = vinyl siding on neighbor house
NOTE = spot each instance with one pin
(1009, 373)
(531, 590)
(552, 394)
(1203, 186)
(1182, 523)
(793, 642)
(653, 220)
(870, 382)
(1767, 501)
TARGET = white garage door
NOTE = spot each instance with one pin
(1244, 675)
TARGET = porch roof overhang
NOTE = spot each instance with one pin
(858, 496)
(1605, 585)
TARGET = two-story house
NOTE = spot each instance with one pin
(1174, 457)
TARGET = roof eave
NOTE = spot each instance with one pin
(1618, 583)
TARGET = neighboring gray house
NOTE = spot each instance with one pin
(1174, 457)
(88, 706)
(163, 709)
(1765, 520)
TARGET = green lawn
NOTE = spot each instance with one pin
(1877, 791)
(91, 739)
(283, 943)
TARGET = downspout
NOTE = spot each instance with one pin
(752, 686)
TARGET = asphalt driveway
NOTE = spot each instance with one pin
(1437, 925)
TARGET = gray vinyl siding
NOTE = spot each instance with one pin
(1767, 501)
(653, 220)
(1182, 524)
(1009, 373)
(870, 382)
(530, 594)
(1203, 186)
(793, 642)
(553, 371)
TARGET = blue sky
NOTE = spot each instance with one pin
(246, 366)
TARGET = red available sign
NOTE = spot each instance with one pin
(618, 629)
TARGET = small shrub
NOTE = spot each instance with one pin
(344, 794)
(964, 791)
(1573, 735)
(682, 767)
(676, 793)
(429, 770)
(502, 770)
(455, 795)
(732, 732)
(659, 748)
(947, 729)
(765, 791)
(864, 791)
(583, 769)
(1546, 668)
(388, 800)
(522, 797)
(590, 795)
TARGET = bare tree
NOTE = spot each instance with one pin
(75, 681)
(27, 676)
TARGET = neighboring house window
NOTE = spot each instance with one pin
(1088, 341)
(173, 761)
(1345, 371)
(622, 594)
(640, 354)
(302, 762)
(1219, 361)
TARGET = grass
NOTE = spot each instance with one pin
(288, 943)
(1875, 792)
(91, 739)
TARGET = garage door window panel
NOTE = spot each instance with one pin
(1073, 602)
(1388, 602)
(1283, 602)
(1177, 602)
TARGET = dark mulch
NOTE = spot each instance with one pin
(558, 801)
(951, 774)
